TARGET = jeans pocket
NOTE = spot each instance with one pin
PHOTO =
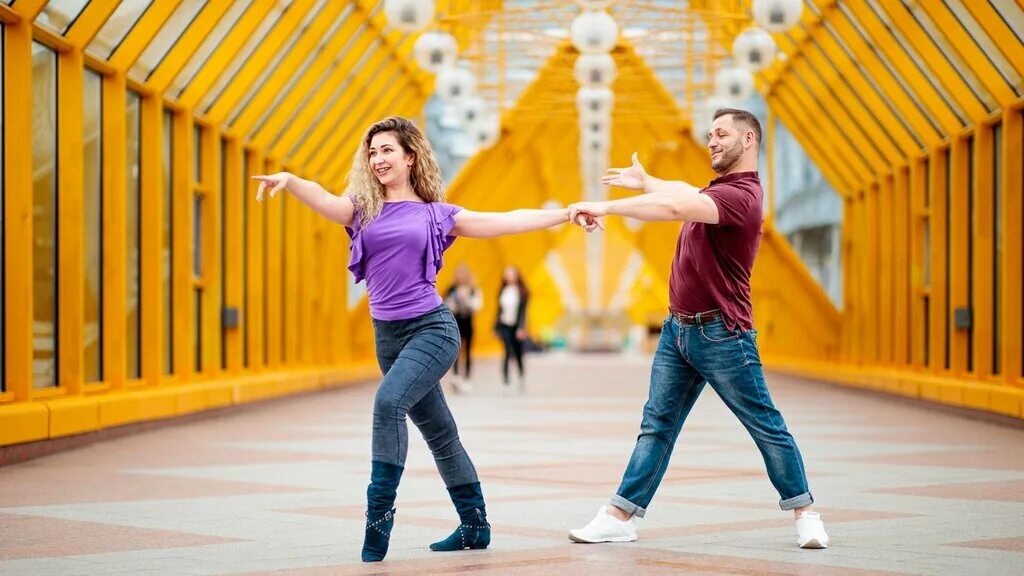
(717, 332)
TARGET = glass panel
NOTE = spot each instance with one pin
(951, 55)
(223, 249)
(997, 240)
(869, 78)
(44, 216)
(243, 314)
(276, 61)
(198, 328)
(319, 83)
(92, 242)
(197, 152)
(3, 274)
(301, 70)
(272, 18)
(1012, 14)
(888, 66)
(167, 244)
(117, 27)
(894, 32)
(166, 38)
(198, 59)
(59, 15)
(985, 44)
(197, 236)
(970, 246)
(329, 105)
(133, 333)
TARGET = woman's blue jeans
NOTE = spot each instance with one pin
(413, 355)
(688, 356)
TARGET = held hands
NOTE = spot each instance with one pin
(587, 215)
(276, 182)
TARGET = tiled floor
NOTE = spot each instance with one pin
(280, 488)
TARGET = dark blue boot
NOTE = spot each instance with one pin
(380, 511)
(474, 533)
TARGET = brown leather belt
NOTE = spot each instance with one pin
(698, 318)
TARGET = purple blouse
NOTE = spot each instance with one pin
(399, 255)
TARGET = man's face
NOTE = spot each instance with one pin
(725, 144)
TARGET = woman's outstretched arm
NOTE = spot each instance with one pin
(493, 224)
(335, 208)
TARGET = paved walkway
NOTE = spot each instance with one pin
(280, 488)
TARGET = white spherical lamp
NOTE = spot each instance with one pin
(595, 70)
(409, 15)
(777, 15)
(753, 49)
(703, 116)
(734, 83)
(594, 102)
(486, 131)
(472, 110)
(455, 84)
(435, 51)
(594, 32)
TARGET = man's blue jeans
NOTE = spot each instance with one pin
(688, 356)
(413, 355)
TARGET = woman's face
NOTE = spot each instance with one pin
(388, 160)
(462, 275)
(511, 275)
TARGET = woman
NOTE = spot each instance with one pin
(464, 299)
(511, 321)
(400, 226)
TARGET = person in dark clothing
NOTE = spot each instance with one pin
(464, 299)
(511, 321)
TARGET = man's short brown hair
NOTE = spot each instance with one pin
(742, 117)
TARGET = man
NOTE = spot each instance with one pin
(708, 336)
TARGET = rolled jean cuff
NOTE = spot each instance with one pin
(795, 502)
(629, 507)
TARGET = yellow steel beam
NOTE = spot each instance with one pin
(233, 281)
(273, 84)
(959, 237)
(999, 31)
(866, 57)
(847, 68)
(182, 281)
(147, 27)
(225, 52)
(114, 246)
(962, 42)
(29, 9)
(982, 264)
(858, 115)
(260, 58)
(903, 20)
(212, 302)
(938, 337)
(1011, 293)
(90, 21)
(883, 39)
(185, 47)
(303, 124)
(841, 181)
(834, 151)
(17, 229)
(919, 213)
(288, 108)
(313, 140)
(151, 175)
(253, 314)
(901, 246)
(70, 222)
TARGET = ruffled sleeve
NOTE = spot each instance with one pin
(355, 259)
(441, 217)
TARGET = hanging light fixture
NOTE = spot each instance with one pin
(435, 51)
(777, 15)
(735, 83)
(594, 32)
(409, 15)
(595, 70)
(753, 49)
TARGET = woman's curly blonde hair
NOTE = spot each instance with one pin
(366, 191)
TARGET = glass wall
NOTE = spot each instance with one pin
(167, 244)
(92, 241)
(133, 332)
(44, 216)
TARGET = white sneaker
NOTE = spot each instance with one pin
(811, 531)
(463, 386)
(604, 528)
